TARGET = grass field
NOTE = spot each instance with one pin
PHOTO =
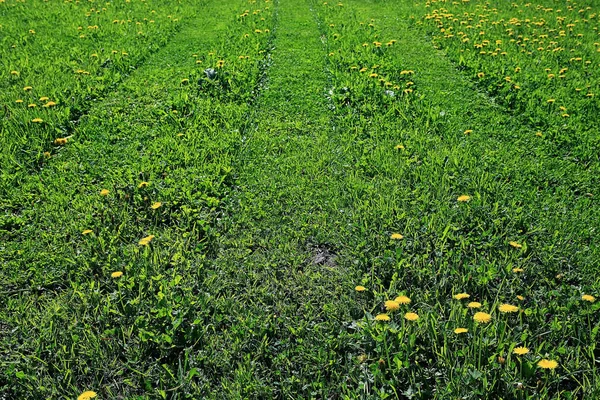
(255, 199)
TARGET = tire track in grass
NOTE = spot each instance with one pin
(277, 266)
(158, 139)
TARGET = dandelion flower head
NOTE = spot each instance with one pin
(382, 317)
(461, 296)
(587, 297)
(402, 300)
(87, 395)
(520, 350)
(547, 364)
(391, 305)
(146, 241)
(411, 316)
(482, 318)
(508, 308)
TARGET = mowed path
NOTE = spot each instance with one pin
(277, 263)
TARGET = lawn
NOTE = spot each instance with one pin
(254, 199)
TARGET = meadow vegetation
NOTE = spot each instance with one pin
(359, 199)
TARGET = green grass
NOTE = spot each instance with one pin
(281, 179)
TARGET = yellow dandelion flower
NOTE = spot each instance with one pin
(86, 232)
(458, 331)
(461, 296)
(60, 141)
(47, 154)
(550, 101)
(185, 81)
(520, 298)
(520, 351)
(391, 305)
(396, 236)
(480, 74)
(104, 192)
(399, 147)
(146, 241)
(508, 308)
(382, 317)
(474, 304)
(117, 274)
(547, 364)
(50, 104)
(14, 73)
(482, 318)
(402, 300)
(27, 88)
(87, 395)
(516, 270)
(516, 245)
(32, 105)
(463, 198)
(37, 120)
(588, 297)
(468, 131)
(360, 288)
(142, 185)
(18, 101)
(156, 205)
(411, 316)
(43, 98)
